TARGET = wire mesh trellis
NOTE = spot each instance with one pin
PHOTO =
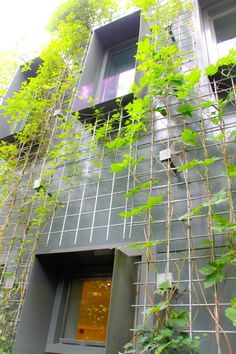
(88, 214)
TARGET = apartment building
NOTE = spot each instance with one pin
(88, 289)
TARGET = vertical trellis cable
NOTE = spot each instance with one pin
(99, 180)
(112, 187)
(86, 173)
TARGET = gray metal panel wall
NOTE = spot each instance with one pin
(36, 314)
(121, 315)
(15, 86)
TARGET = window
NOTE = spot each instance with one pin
(225, 30)
(220, 34)
(87, 310)
(109, 68)
(119, 73)
(220, 28)
(20, 77)
(78, 303)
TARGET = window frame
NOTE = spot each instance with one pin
(117, 33)
(56, 342)
(122, 298)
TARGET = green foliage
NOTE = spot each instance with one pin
(189, 137)
(128, 161)
(194, 163)
(160, 61)
(186, 110)
(140, 187)
(166, 339)
(151, 202)
(214, 270)
(8, 65)
(44, 138)
(222, 224)
(231, 311)
(204, 244)
(229, 61)
(82, 13)
(178, 318)
(218, 198)
(143, 245)
(214, 273)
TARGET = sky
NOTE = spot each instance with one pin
(22, 23)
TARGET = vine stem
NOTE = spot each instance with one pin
(210, 230)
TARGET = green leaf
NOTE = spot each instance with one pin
(189, 137)
(128, 161)
(136, 189)
(217, 137)
(214, 273)
(154, 309)
(231, 314)
(178, 318)
(193, 163)
(204, 244)
(162, 111)
(233, 135)
(217, 198)
(163, 288)
(221, 223)
(233, 302)
(230, 96)
(161, 348)
(140, 245)
(211, 70)
(151, 202)
(186, 110)
(166, 332)
(207, 104)
(231, 170)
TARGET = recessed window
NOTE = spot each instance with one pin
(79, 302)
(119, 74)
(21, 77)
(87, 311)
(109, 68)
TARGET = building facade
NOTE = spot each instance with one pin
(101, 256)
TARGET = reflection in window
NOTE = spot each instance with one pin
(225, 30)
(88, 309)
(119, 74)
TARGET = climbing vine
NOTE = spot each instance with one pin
(162, 62)
(48, 138)
(39, 149)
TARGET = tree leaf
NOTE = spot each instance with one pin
(193, 163)
(186, 110)
(178, 318)
(214, 272)
(189, 137)
(161, 348)
(136, 189)
(204, 244)
(231, 314)
(151, 202)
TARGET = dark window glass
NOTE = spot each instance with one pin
(119, 74)
(225, 31)
(225, 27)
